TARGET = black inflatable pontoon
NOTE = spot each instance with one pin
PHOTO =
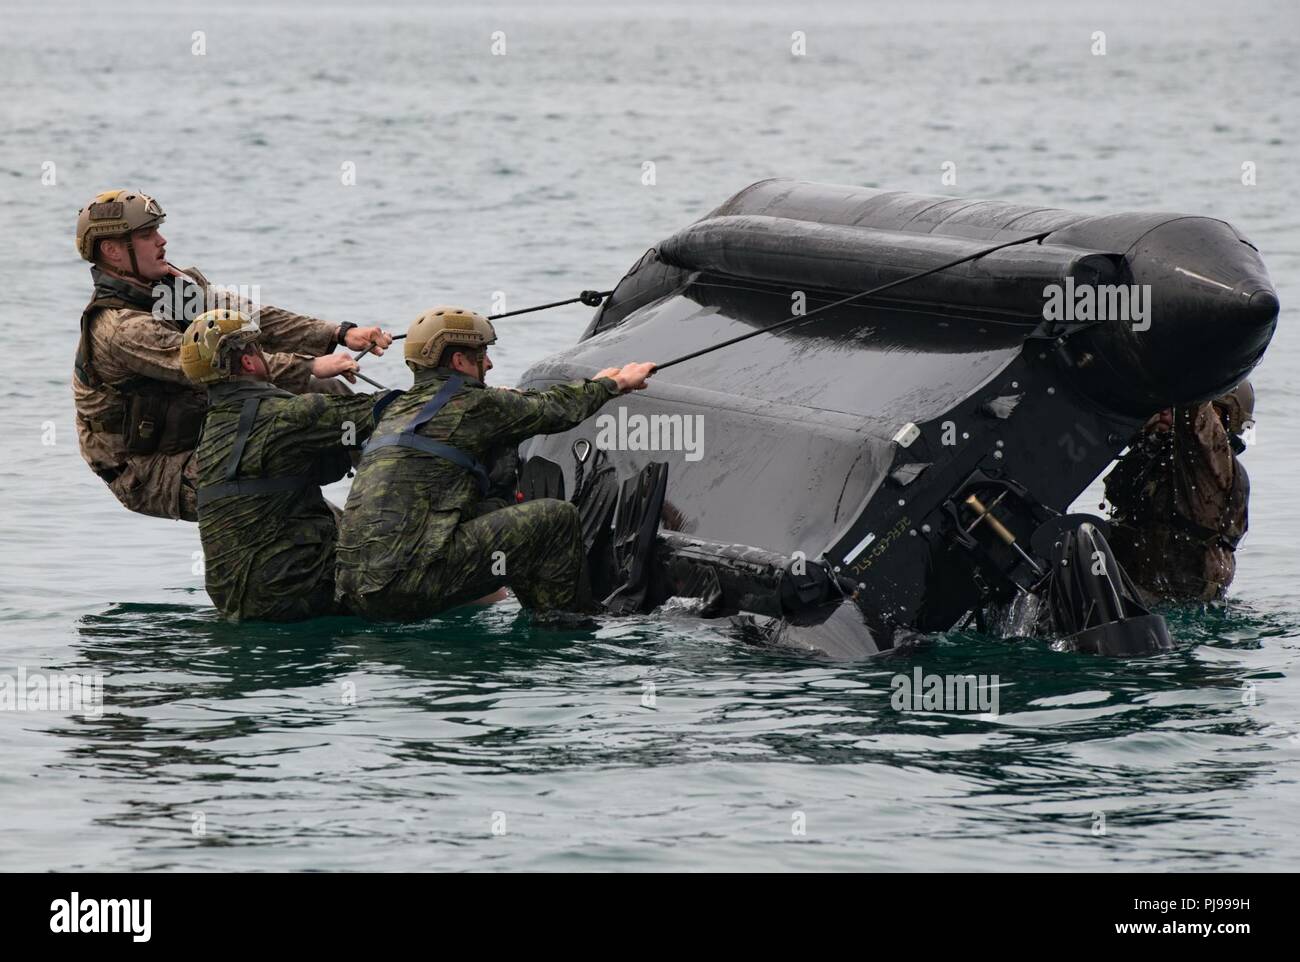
(902, 460)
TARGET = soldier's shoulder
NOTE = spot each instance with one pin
(294, 404)
(123, 328)
(194, 274)
(135, 321)
(485, 396)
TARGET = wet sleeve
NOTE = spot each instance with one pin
(502, 464)
(516, 416)
(1204, 447)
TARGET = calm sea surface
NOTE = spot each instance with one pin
(471, 742)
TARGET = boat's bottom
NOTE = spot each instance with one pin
(1079, 593)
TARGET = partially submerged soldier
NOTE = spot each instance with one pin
(419, 534)
(1179, 499)
(268, 533)
(138, 417)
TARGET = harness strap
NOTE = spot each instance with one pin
(256, 487)
(247, 415)
(408, 438)
(454, 384)
(252, 487)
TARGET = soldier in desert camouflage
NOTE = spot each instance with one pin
(1179, 499)
(138, 417)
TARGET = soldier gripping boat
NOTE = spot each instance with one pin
(423, 529)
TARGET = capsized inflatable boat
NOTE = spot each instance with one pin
(904, 460)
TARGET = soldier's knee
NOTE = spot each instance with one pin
(562, 515)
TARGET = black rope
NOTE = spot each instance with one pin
(590, 298)
(800, 318)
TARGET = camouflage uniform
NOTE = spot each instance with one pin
(270, 557)
(418, 537)
(1179, 507)
(129, 343)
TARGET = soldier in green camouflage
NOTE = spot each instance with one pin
(268, 534)
(422, 531)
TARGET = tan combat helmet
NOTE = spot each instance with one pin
(209, 342)
(442, 327)
(116, 213)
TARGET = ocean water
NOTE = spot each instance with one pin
(661, 743)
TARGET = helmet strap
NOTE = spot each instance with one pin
(130, 250)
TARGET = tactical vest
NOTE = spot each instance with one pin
(407, 437)
(152, 416)
(329, 467)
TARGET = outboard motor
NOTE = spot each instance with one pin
(1093, 603)
(1066, 575)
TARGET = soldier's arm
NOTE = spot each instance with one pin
(292, 372)
(1204, 444)
(139, 344)
(282, 331)
(325, 421)
(286, 331)
(512, 416)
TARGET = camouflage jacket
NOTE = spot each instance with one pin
(404, 505)
(271, 556)
(1186, 478)
(132, 343)
(1179, 507)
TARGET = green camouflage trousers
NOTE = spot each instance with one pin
(534, 548)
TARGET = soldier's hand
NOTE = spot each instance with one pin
(360, 338)
(632, 377)
(609, 372)
(332, 365)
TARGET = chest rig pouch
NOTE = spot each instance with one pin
(158, 422)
